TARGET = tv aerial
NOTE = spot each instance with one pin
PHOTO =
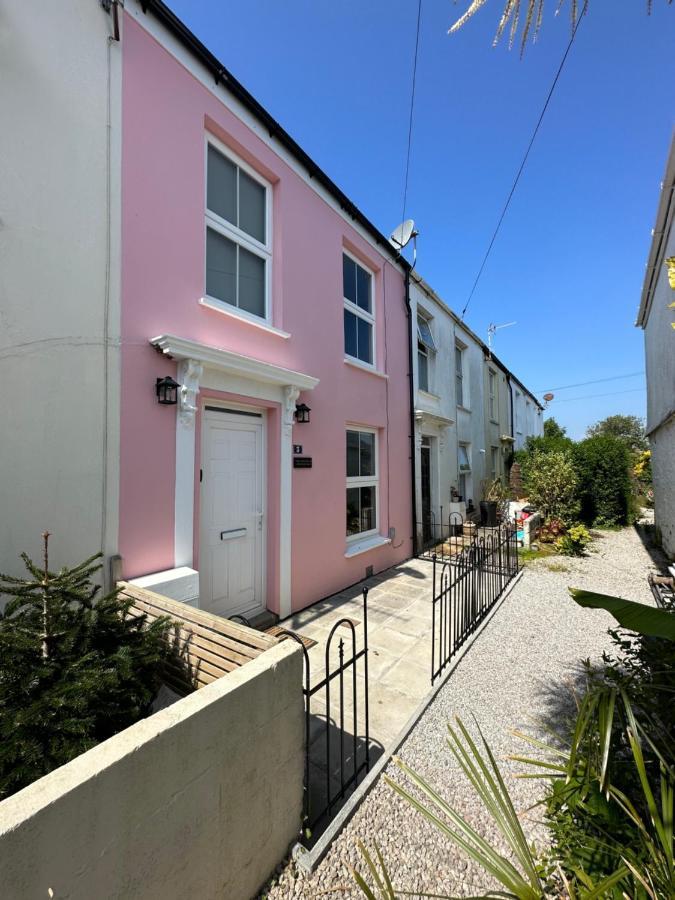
(493, 329)
(401, 237)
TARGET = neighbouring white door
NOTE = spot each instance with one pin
(231, 552)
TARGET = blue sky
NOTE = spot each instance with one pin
(569, 261)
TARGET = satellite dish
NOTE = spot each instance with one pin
(401, 236)
(548, 397)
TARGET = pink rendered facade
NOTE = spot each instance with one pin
(170, 109)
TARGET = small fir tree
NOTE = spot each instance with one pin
(74, 669)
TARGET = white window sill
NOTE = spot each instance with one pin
(221, 308)
(429, 394)
(369, 543)
(364, 367)
(465, 409)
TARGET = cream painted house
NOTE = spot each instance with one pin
(60, 94)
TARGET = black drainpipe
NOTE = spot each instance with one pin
(411, 387)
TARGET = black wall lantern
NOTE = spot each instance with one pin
(302, 412)
(167, 391)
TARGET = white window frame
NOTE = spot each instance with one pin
(465, 472)
(459, 376)
(494, 463)
(425, 349)
(237, 235)
(369, 317)
(519, 418)
(492, 395)
(365, 481)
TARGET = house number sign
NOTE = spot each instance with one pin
(302, 462)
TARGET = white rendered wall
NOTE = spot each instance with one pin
(435, 406)
(470, 421)
(59, 271)
(201, 800)
(660, 366)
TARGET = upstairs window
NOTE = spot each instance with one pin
(362, 482)
(459, 374)
(238, 241)
(359, 317)
(492, 394)
(517, 404)
(425, 348)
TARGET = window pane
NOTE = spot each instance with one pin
(221, 186)
(460, 391)
(365, 346)
(424, 333)
(422, 370)
(221, 267)
(251, 283)
(363, 298)
(351, 348)
(348, 278)
(367, 455)
(251, 207)
(368, 517)
(353, 511)
(458, 361)
(352, 454)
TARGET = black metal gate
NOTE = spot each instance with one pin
(337, 747)
(442, 537)
(466, 586)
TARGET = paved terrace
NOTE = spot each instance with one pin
(399, 641)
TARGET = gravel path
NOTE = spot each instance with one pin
(522, 665)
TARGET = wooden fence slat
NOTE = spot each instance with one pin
(208, 645)
(233, 630)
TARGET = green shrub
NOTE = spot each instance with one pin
(574, 541)
(588, 822)
(551, 483)
(74, 670)
(602, 464)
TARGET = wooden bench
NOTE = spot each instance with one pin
(205, 646)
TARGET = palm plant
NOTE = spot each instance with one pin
(623, 802)
(530, 13)
(522, 877)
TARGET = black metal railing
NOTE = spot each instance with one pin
(466, 586)
(442, 536)
(337, 747)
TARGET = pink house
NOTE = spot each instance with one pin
(249, 279)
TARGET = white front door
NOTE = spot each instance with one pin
(231, 552)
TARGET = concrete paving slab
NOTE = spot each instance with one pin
(399, 639)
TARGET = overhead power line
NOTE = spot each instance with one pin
(412, 107)
(524, 160)
(564, 387)
(594, 396)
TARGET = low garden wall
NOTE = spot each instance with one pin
(200, 800)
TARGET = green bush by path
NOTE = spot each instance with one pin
(602, 464)
(551, 484)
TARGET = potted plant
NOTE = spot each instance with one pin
(493, 492)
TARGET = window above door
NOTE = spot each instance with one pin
(359, 311)
(238, 234)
